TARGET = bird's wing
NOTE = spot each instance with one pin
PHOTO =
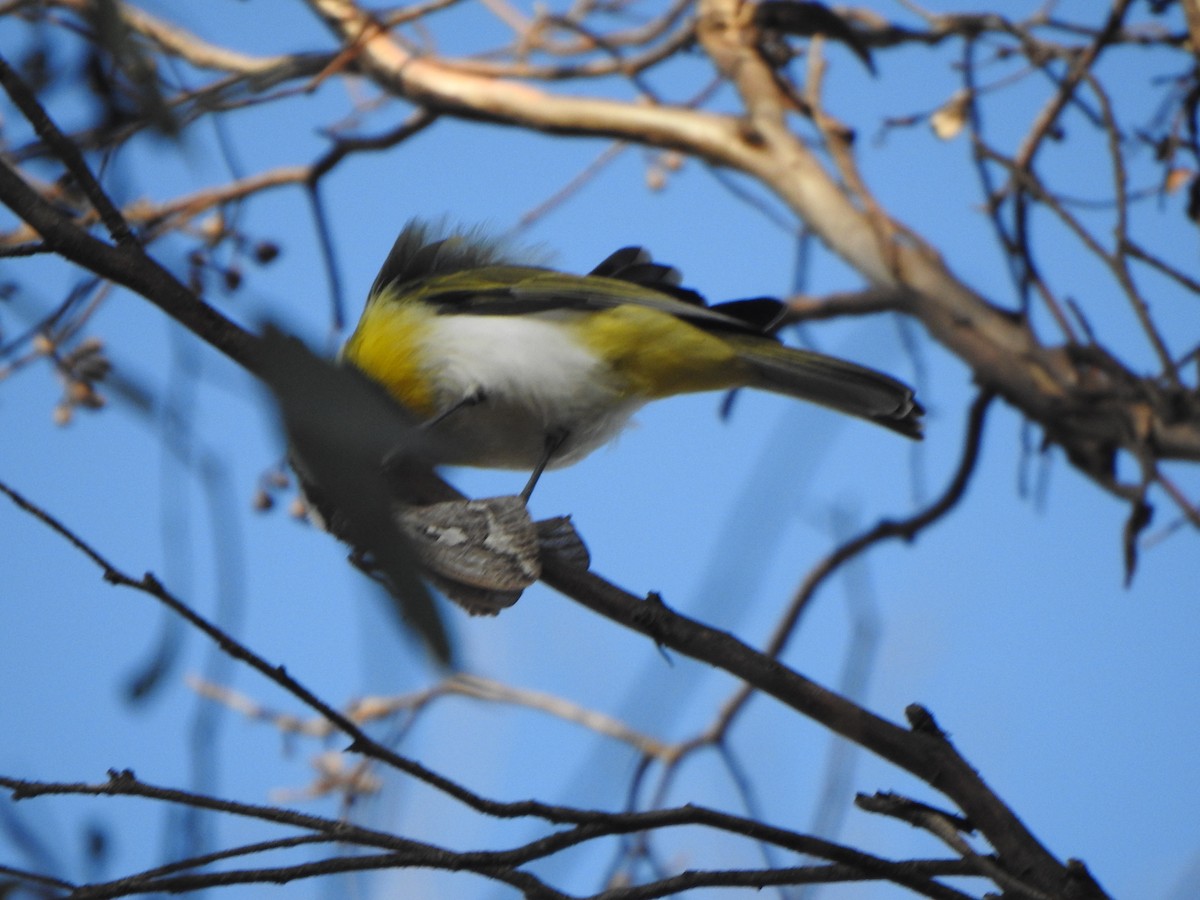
(466, 273)
(518, 290)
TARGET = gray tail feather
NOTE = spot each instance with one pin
(835, 383)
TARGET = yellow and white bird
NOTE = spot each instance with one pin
(516, 366)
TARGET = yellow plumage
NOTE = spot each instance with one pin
(387, 346)
(658, 354)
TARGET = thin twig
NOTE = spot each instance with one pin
(26, 877)
(68, 152)
(475, 687)
(589, 172)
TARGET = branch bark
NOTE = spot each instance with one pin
(923, 750)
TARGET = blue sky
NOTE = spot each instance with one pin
(1074, 696)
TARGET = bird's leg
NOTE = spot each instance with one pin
(474, 398)
(553, 441)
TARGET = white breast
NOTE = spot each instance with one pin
(535, 381)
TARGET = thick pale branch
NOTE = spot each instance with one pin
(1085, 409)
(426, 82)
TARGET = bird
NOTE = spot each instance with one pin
(510, 365)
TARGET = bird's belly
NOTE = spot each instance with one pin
(512, 436)
(532, 383)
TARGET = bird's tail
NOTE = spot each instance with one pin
(840, 385)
